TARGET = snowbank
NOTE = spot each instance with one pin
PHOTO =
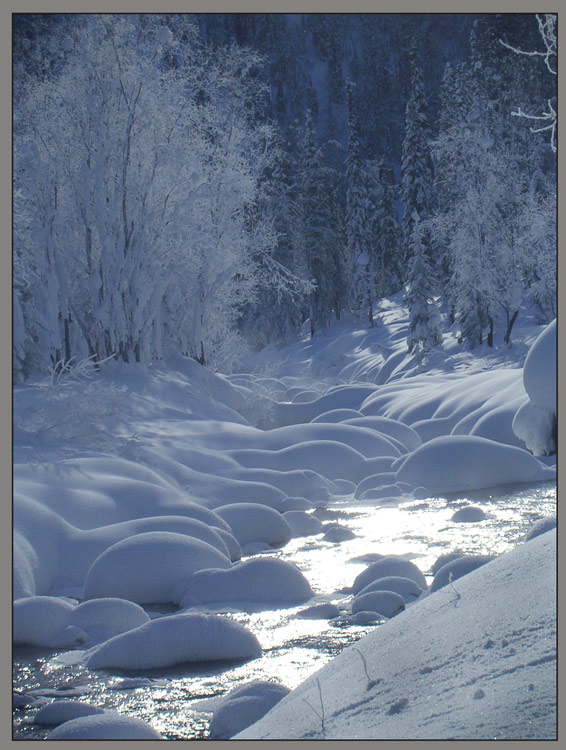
(174, 640)
(491, 674)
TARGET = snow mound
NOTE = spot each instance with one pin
(457, 568)
(386, 603)
(106, 726)
(301, 523)
(175, 640)
(337, 415)
(535, 422)
(262, 579)
(392, 428)
(243, 706)
(150, 567)
(336, 533)
(252, 522)
(456, 462)
(101, 619)
(42, 621)
(405, 587)
(64, 710)
(541, 527)
(324, 611)
(296, 503)
(389, 566)
(443, 560)
(469, 514)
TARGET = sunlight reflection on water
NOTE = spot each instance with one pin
(420, 530)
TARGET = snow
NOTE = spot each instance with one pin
(252, 522)
(457, 568)
(389, 566)
(406, 587)
(301, 523)
(174, 640)
(468, 514)
(260, 579)
(60, 711)
(106, 726)
(150, 567)
(497, 651)
(243, 706)
(462, 457)
(385, 603)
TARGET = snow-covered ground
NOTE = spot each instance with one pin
(152, 505)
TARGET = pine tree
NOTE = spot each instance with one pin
(424, 317)
(416, 163)
(358, 222)
(388, 235)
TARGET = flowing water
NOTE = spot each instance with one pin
(293, 648)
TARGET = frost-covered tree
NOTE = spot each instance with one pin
(358, 222)
(388, 235)
(136, 164)
(424, 317)
(416, 162)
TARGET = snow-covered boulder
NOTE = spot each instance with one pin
(541, 527)
(389, 566)
(60, 711)
(325, 611)
(405, 587)
(301, 523)
(464, 462)
(101, 619)
(243, 706)
(106, 726)
(150, 567)
(457, 568)
(386, 603)
(469, 514)
(261, 579)
(252, 522)
(174, 640)
(535, 422)
(335, 533)
(42, 621)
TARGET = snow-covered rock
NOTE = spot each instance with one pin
(389, 566)
(252, 522)
(457, 568)
(174, 640)
(42, 621)
(106, 726)
(243, 706)
(150, 567)
(469, 514)
(261, 579)
(301, 523)
(456, 462)
(405, 587)
(386, 603)
(60, 711)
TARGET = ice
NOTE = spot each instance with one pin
(173, 640)
(243, 706)
(261, 579)
(456, 462)
(150, 567)
(253, 522)
(106, 726)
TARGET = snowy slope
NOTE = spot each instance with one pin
(473, 661)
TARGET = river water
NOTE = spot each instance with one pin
(293, 648)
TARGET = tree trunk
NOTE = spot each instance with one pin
(510, 324)
(67, 339)
(490, 334)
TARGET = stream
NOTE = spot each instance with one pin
(293, 647)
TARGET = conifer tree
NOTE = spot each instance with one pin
(424, 317)
(358, 224)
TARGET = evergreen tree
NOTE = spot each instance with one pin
(424, 317)
(388, 235)
(358, 222)
(416, 162)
